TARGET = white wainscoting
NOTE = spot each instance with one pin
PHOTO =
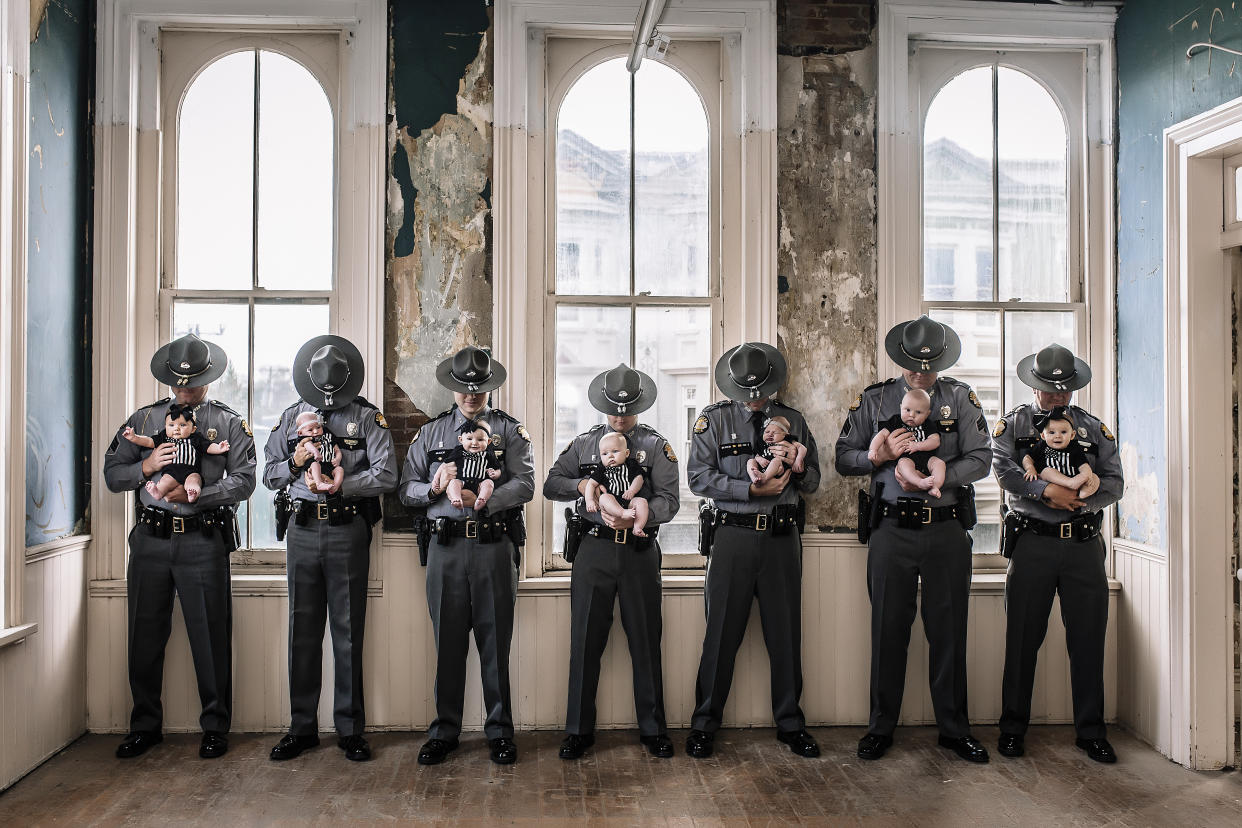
(43, 677)
(400, 655)
(1143, 649)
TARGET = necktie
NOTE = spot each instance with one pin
(756, 422)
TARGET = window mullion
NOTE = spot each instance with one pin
(633, 178)
(254, 189)
(996, 186)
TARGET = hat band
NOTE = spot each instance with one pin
(1059, 383)
(472, 387)
(752, 388)
(619, 404)
(925, 362)
(183, 378)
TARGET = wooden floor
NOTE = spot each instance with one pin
(752, 780)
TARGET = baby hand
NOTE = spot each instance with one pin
(1029, 476)
(224, 445)
(494, 474)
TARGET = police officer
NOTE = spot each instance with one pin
(182, 548)
(612, 562)
(471, 556)
(916, 537)
(757, 549)
(1058, 550)
(328, 538)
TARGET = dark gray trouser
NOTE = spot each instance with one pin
(1041, 567)
(746, 564)
(602, 571)
(471, 585)
(196, 569)
(327, 567)
(939, 555)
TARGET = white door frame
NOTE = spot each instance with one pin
(1198, 404)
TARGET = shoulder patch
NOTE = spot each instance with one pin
(973, 399)
(1108, 435)
(700, 425)
(858, 402)
(224, 407)
(379, 419)
(879, 384)
(246, 427)
(521, 430)
(668, 452)
(1000, 427)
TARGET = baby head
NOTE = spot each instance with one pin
(309, 424)
(613, 449)
(1056, 428)
(179, 423)
(915, 406)
(474, 435)
(775, 430)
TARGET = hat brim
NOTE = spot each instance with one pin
(1079, 379)
(601, 403)
(217, 357)
(342, 396)
(444, 376)
(743, 393)
(949, 356)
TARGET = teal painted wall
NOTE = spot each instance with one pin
(1158, 87)
(58, 315)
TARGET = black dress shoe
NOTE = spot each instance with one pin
(659, 746)
(873, 746)
(1010, 744)
(800, 742)
(503, 751)
(291, 746)
(355, 747)
(138, 743)
(434, 751)
(967, 747)
(699, 744)
(214, 745)
(574, 745)
(1098, 749)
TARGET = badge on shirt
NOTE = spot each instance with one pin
(1082, 432)
(211, 434)
(379, 419)
(668, 452)
(640, 456)
(700, 425)
(495, 439)
(945, 410)
(351, 429)
(1000, 427)
(521, 430)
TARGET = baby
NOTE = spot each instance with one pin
(764, 466)
(187, 465)
(920, 465)
(1056, 457)
(477, 465)
(615, 484)
(323, 448)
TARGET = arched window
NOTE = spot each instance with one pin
(634, 276)
(249, 225)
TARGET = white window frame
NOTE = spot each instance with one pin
(127, 325)
(904, 25)
(747, 30)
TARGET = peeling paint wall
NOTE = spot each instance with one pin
(58, 316)
(826, 202)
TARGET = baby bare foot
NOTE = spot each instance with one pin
(153, 490)
(629, 514)
(934, 492)
(479, 503)
(642, 533)
(456, 501)
(191, 494)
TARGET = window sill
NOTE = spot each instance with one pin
(16, 635)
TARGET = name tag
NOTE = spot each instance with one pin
(948, 425)
(439, 455)
(587, 469)
(352, 443)
(736, 449)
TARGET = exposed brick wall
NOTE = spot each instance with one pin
(811, 27)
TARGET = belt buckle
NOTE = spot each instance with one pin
(1067, 531)
(927, 514)
(620, 535)
(178, 525)
(761, 522)
(472, 529)
(321, 510)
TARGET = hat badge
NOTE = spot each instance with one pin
(1056, 372)
(750, 378)
(925, 350)
(185, 365)
(471, 373)
(623, 393)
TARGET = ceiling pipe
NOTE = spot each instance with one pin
(644, 26)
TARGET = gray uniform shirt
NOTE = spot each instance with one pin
(723, 441)
(433, 446)
(651, 451)
(227, 478)
(1015, 432)
(964, 444)
(361, 434)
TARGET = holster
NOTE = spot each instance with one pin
(966, 514)
(707, 527)
(1011, 529)
(864, 516)
(226, 523)
(369, 509)
(284, 510)
(444, 532)
(800, 515)
(422, 531)
(515, 528)
(573, 535)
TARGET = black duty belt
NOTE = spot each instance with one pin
(614, 535)
(324, 509)
(1080, 528)
(918, 512)
(487, 529)
(157, 519)
(781, 521)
